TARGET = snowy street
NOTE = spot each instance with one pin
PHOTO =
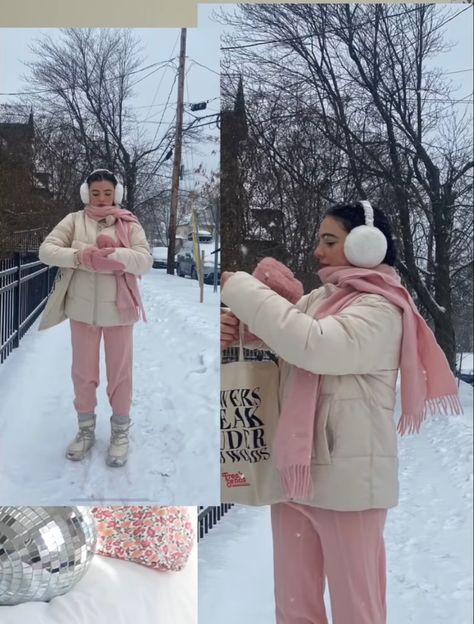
(428, 539)
(174, 436)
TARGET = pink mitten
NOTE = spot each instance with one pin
(103, 240)
(279, 278)
(97, 260)
(85, 257)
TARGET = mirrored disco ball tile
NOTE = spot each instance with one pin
(44, 551)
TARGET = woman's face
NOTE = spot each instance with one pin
(101, 193)
(330, 249)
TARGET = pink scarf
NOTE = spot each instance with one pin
(425, 377)
(129, 302)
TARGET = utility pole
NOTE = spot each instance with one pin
(177, 157)
(216, 245)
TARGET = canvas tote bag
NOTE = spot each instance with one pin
(53, 313)
(249, 417)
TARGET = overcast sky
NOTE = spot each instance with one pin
(202, 78)
(459, 32)
(202, 83)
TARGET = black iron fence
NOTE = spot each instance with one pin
(210, 516)
(25, 283)
(27, 240)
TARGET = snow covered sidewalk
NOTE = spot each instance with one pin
(428, 538)
(174, 438)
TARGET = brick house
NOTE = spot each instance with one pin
(25, 196)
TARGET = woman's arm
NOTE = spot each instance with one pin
(277, 277)
(56, 249)
(354, 341)
(137, 258)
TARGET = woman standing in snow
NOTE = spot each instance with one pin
(100, 251)
(340, 350)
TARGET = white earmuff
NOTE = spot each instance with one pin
(118, 193)
(365, 246)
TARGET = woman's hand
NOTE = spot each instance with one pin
(98, 260)
(229, 329)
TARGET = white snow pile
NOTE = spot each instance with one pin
(428, 539)
(174, 439)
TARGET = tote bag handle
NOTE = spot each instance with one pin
(241, 341)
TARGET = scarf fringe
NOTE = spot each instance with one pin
(296, 481)
(130, 313)
(445, 405)
(425, 373)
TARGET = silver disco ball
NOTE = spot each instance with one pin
(44, 551)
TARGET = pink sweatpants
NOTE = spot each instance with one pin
(347, 547)
(118, 345)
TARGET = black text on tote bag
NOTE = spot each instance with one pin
(249, 417)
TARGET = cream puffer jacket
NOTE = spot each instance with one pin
(357, 351)
(91, 296)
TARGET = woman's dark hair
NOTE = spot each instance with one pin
(352, 215)
(100, 175)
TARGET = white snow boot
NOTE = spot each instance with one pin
(84, 439)
(117, 453)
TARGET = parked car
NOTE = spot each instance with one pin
(209, 267)
(464, 367)
(466, 376)
(186, 263)
(160, 257)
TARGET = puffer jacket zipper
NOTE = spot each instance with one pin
(99, 229)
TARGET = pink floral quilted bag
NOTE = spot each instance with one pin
(157, 537)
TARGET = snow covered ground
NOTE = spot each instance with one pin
(174, 438)
(428, 537)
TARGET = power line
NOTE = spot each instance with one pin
(151, 121)
(209, 123)
(163, 105)
(450, 18)
(160, 106)
(190, 147)
(161, 120)
(314, 33)
(207, 116)
(148, 75)
(459, 71)
(145, 77)
(166, 107)
(116, 77)
(290, 89)
(444, 101)
(163, 76)
(205, 66)
(304, 113)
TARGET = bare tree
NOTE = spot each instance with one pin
(364, 72)
(84, 81)
(210, 196)
(289, 171)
